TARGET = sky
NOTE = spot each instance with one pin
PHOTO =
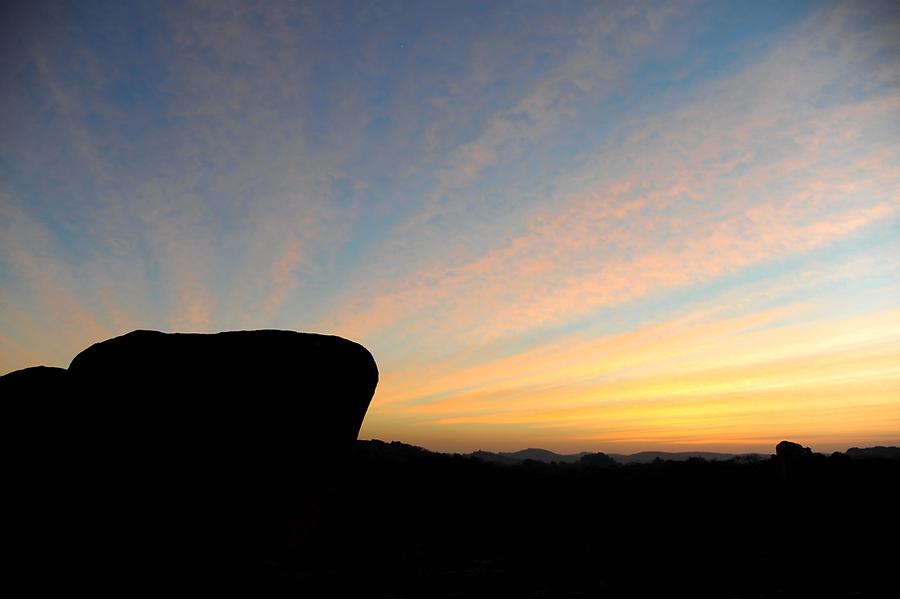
(583, 226)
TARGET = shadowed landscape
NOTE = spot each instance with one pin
(229, 461)
(794, 524)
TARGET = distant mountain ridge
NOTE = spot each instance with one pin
(879, 451)
(532, 453)
(644, 457)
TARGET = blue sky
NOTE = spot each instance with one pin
(469, 189)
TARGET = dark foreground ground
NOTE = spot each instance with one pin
(404, 522)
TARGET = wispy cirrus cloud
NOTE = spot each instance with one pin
(182, 177)
(738, 175)
(614, 225)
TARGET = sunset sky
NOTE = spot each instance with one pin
(571, 225)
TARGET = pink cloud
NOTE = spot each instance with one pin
(750, 171)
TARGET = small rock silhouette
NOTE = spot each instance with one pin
(792, 451)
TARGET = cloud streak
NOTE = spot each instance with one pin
(735, 178)
(581, 226)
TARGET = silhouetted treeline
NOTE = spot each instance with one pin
(406, 522)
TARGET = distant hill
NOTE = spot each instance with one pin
(644, 457)
(392, 452)
(532, 453)
(879, 451)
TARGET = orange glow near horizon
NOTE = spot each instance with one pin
(669, 386)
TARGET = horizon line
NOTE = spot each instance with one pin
(893, 443)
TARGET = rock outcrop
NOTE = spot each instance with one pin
(788, 450)
(791, 452)
(189, 455)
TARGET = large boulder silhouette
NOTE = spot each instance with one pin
(188, 455)
(269, 395)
